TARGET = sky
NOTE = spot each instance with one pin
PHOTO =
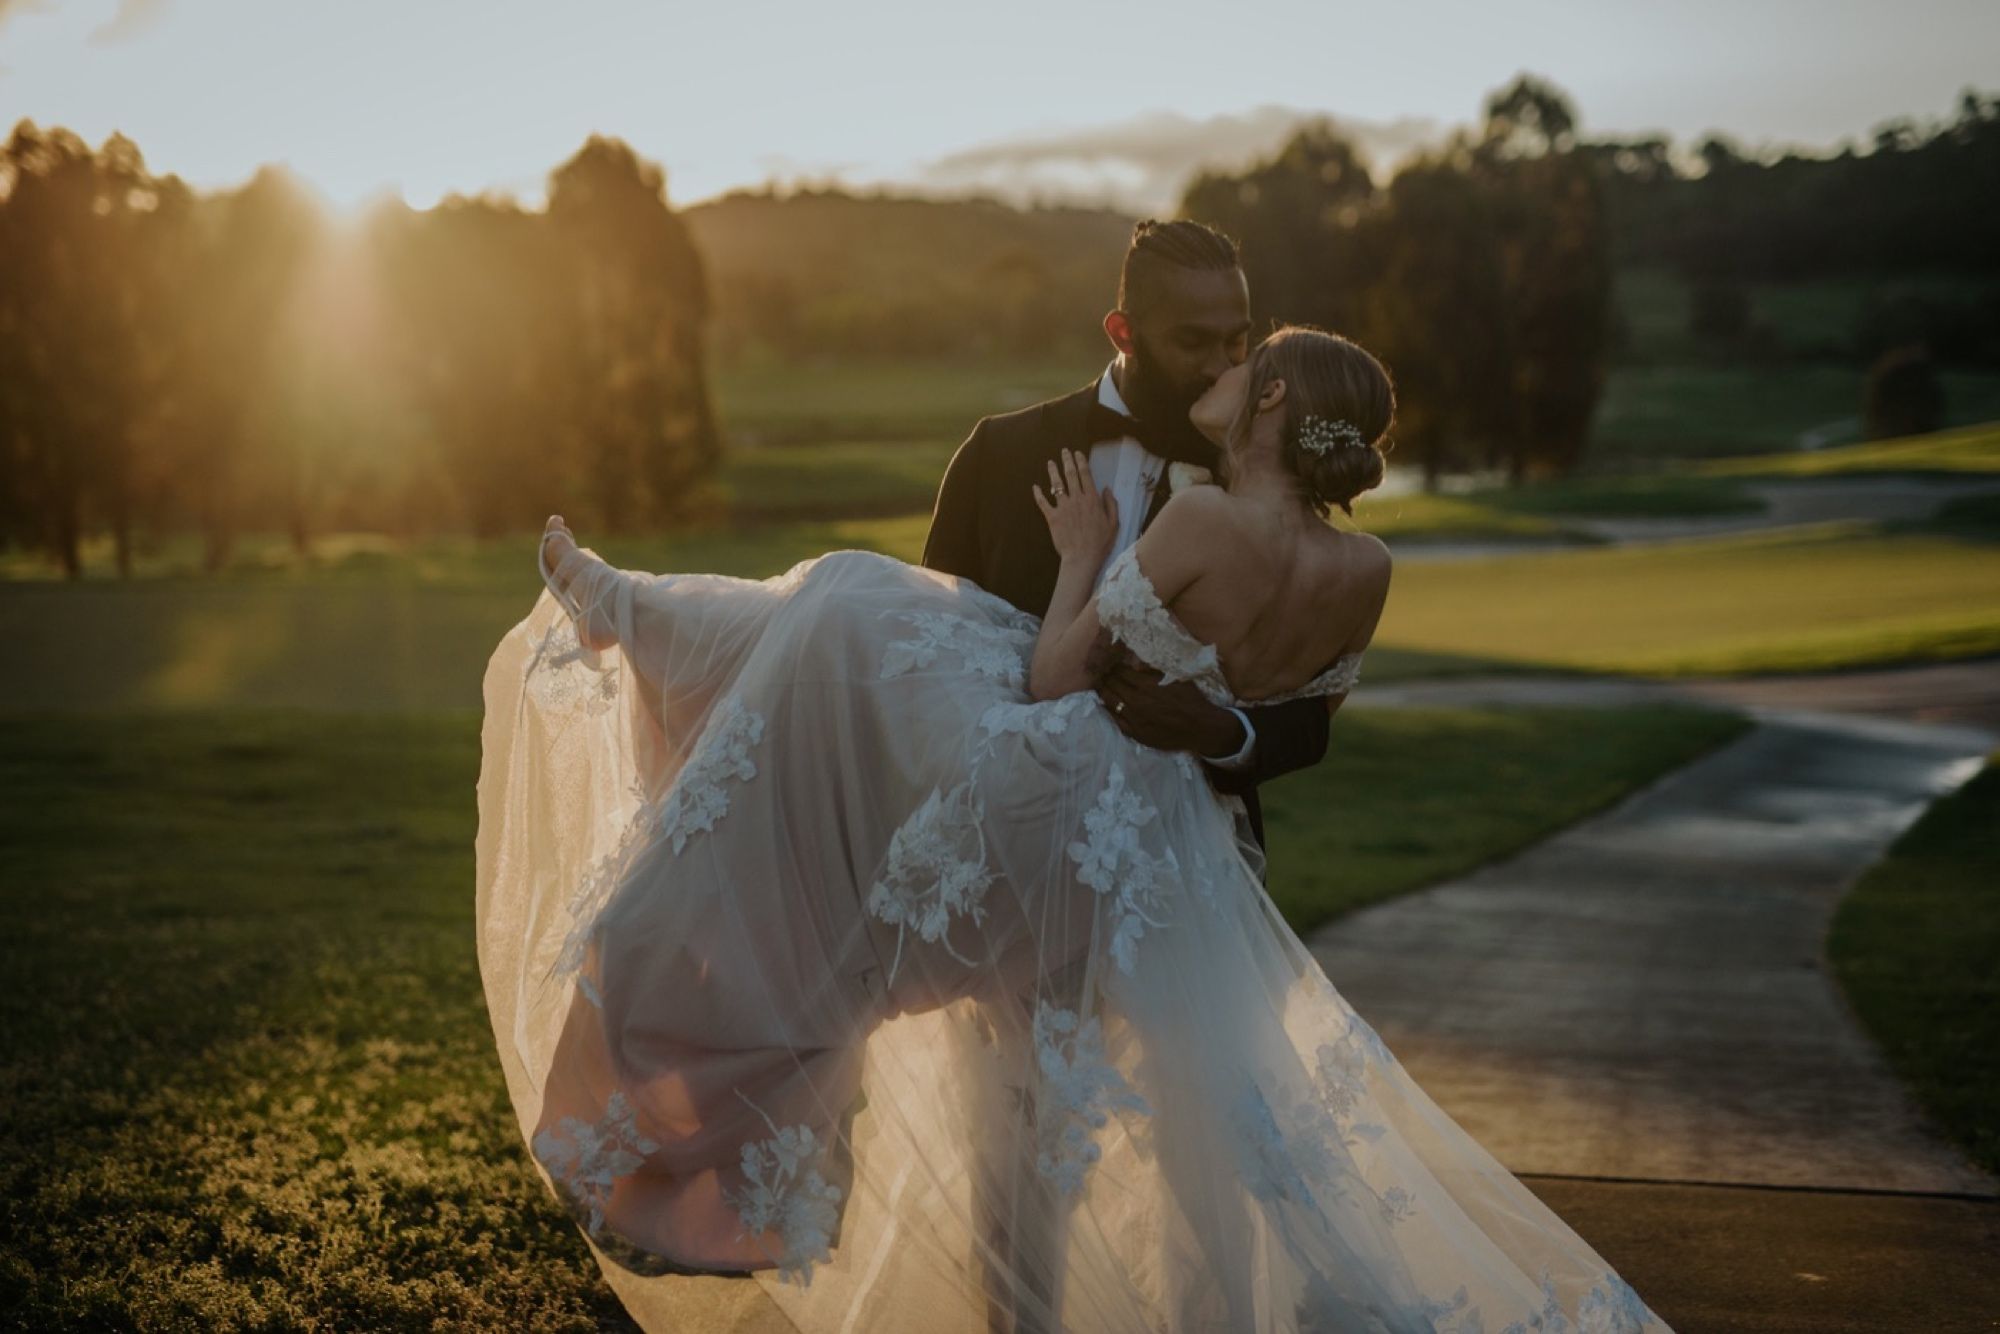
(1093, 100)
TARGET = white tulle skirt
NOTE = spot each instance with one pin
(819, 954)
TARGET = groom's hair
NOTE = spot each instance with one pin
(1180, 244)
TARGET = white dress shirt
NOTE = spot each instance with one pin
(1129, 471)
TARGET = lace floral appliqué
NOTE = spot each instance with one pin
(1610, 1307)
(1284, 1163)
(1130, 608)
(587, 1160)
(593, 893)
(1077, 1088)
(697, 798)
(997, 651)
(1338, 679)
(1342, 1065)
(936, 868)
(1110, 860)
(786, 1193)
(562, 674)
(1042, 718)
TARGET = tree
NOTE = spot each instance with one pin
(636, 370)
(1903, 396)
(1436, 315)
(1295, 219)
(73, 229)
(1549, 229)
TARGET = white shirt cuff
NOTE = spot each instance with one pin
(1241, 757)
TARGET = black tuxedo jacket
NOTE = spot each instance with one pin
(986, 528)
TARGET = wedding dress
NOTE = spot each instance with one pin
(817, 951)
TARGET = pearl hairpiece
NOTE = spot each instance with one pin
(1323, 435)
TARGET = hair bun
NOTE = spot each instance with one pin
(1339, 404)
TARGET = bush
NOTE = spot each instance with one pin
(1719, 312)
(1904, 396)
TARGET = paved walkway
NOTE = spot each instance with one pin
(1965, 693)
(1787, 504)
(1637, 1016)
(1808, 500)
(1645, 995)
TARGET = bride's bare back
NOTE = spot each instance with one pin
(1280, 596)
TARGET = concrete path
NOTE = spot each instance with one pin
(1787, 504)
(1645, 995)
(1638, 1017)
(1807, 500)
(1965, 693)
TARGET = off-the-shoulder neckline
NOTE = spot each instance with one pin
(1213, 655)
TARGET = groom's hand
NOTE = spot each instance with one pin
(1154, 713)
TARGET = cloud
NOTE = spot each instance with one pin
(1143, 164)
(10, 8)
(133, 17)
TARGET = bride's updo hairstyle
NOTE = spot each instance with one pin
(1339, 404)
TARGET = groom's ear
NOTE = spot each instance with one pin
(1118, 328)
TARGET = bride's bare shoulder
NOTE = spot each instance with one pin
(1369, 553)
(1193, 520)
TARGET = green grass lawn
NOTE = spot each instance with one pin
(1419, 517)
(836, 400)
(1663, 495)
(855, 479)
(1411, 797)
(1835, 595)
(1675, 403)
(375, 626)
(250, 1081)
(867, 479)
(1689, 410)
(1971, 450)
(864, 479)
(1818, 317)
(1914, 945)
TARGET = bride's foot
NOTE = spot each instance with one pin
(557, 544)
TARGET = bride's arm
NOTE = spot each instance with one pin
(1063, 649)
(1084, 526)
(1083, 523)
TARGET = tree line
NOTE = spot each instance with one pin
(233, 362)
(237, 361)
(1482, 269)
(1480, 273)
(1918, 200)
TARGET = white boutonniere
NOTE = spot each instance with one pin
(1187, 474)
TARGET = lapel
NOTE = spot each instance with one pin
(1021, 562)
(1067, 418)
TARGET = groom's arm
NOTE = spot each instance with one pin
(1177, 716)
(1284, 737)
(952, 545)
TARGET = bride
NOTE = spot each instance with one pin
(843, 953)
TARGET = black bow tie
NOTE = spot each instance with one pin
(1175, 446)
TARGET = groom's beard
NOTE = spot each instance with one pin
(1165, 408)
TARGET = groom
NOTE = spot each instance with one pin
(1183, 318)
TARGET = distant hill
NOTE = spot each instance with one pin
(800, 274)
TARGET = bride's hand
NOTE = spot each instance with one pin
(1083, 521)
